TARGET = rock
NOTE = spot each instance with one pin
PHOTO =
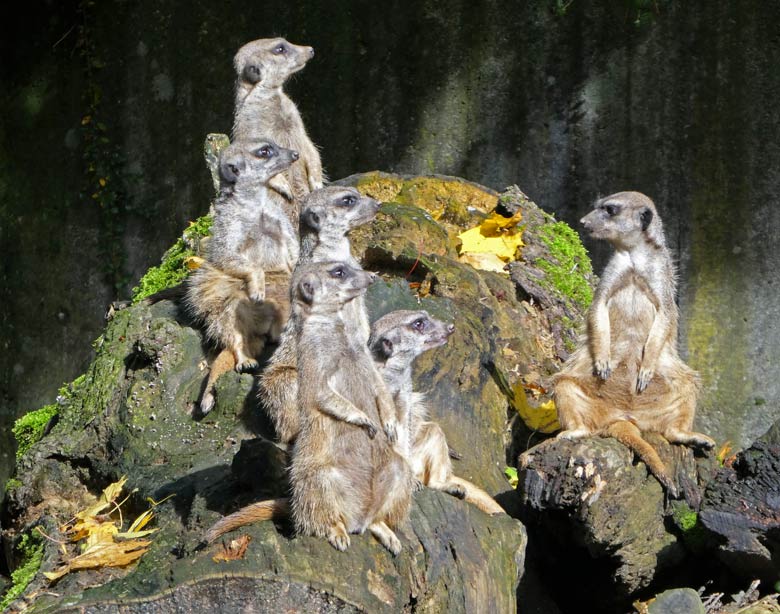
(677, 601)
(131, 414)
(599, 521)
(742, 505)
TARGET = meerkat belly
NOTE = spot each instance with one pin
(631, 315)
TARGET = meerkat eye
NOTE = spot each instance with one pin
(419, 325)
(266, 151)
(348, 201)
(612, 210)
(279, 49)
(338, 272)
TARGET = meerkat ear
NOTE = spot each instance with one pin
(310, 219)
(307, 287)
(386, 347)
(253, 73)
(646, 217)
(231, 168)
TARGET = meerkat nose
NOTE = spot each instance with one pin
(372, 277)
(450, 328)
(311, 52)
(294, 154)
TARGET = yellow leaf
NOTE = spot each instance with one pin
(495, 223)
(484, 261)
(543, 418)
(193, 262)
(114, 554)
(141, 521)
(102, 182)
(110, 493)
(496, 235)
(86, 119)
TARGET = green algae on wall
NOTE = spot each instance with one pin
(31, 550)
(173, 268)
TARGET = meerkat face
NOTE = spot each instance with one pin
(254, 161)
(623, 219)
(270, 61)
(327, 286)
(335, 208)
(403, 335)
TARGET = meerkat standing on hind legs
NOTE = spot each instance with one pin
(346, 476)
(327, 216)
(263, 109)
(397, 339)
(627, 376)
(251, 239)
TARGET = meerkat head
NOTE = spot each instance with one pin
(324, 287)
(269, 61)
(336, 210)
(401, 336)
(626, 220)
(253, 162)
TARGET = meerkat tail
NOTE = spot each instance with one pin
(256, 512)
(224, 362)
(167, 294)
(478, 497)
(630, 436)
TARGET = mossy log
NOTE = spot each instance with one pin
(132, 414)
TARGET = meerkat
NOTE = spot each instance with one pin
(346, 476)
(262, 108)
(252, 243)
(397, 339)
(327, 216)
(626, 376)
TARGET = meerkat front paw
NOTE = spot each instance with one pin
(246, 364)
(602, 368)
(645, 375)
(257, 295)
(369, 428)
(338, 538)
(391, 430)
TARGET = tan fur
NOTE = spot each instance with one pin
(327, 216)
(627, 371)
(271, 509)
(263, 109)
(396, 340)
(240, 294)
(345, 475)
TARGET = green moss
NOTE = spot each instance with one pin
(28, 429)
(12, 483)
(31, 550)
(686, 519)
(173, 268)
(569, 267)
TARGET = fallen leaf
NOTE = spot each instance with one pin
(484, 261)
(542, 418)
(235, 549)
(496, 235)
(511, 475)
(193, 262)
(104, 554)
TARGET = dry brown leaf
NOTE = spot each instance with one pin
(235, 549)
(103, 554)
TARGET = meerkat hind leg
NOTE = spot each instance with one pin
(630, 436)
(386, 537)
(224, 362)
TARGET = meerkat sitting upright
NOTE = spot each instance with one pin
(397, 339)
(344, 478)
(345, 474)
(262, 108)
(251, 239)
(627, 376)
(327, 216)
